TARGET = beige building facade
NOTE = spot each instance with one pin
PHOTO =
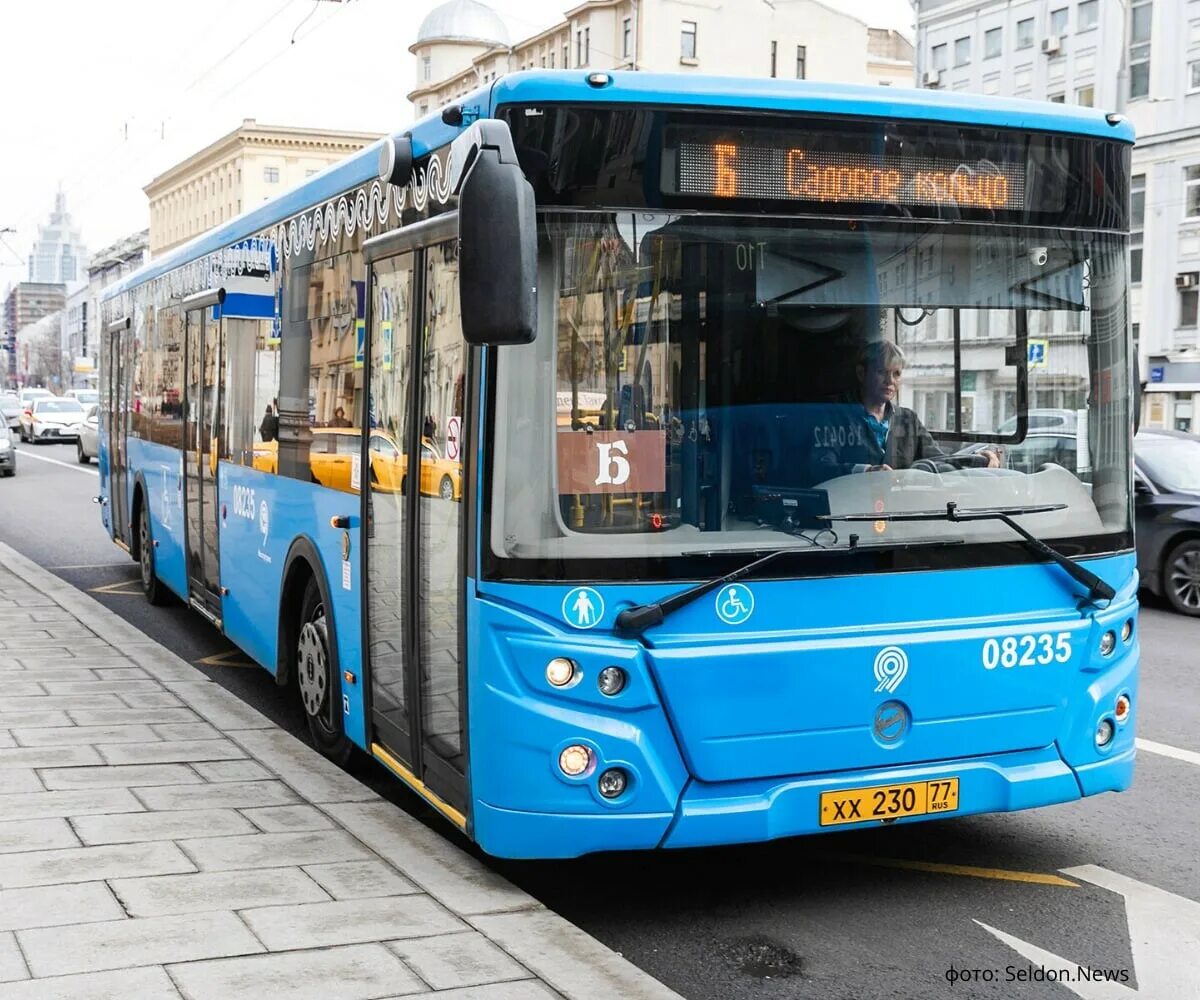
(463, 44)
(249, 165)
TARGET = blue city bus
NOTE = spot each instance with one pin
(774, 455)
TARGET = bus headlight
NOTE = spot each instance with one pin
(1108, 642)
(611, 681)
(560, 671)
(1127, 630)
(575, 760)
(1105, 730)
(1122, 707)
(612, 782)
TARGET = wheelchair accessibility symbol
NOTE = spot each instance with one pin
(583, 607)
(735, 604)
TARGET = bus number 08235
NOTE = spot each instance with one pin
(1026, 650)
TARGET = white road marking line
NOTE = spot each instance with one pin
(54, 461)
(1163, 930)
(1190, 756)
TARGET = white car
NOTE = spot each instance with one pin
(87, 445)
(86, 397)
(51, 419)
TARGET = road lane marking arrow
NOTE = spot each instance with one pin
(1164, 936)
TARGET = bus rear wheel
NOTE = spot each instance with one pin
(318, 679)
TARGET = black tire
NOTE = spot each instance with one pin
(83, 457)
(1181, 577)
(318, 679)
(152, 587)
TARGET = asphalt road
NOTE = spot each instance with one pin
(882, 913)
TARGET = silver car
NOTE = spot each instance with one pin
(87, 445)
(10, 410)
(8, 452)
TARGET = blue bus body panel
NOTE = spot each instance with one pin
(253, 562)
(731, 732)
(160, 469)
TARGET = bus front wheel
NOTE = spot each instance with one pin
(316, 674)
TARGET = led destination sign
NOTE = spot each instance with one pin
(815, 173)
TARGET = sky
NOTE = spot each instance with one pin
(102, 97)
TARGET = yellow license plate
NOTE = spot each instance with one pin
(917, 798)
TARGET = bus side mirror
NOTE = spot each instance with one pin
(497, 253)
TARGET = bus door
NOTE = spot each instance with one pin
(203, 402)
(413, 491)
(115, 358)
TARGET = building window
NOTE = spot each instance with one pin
(1137, 336)
(991, 43)
(1025, 33)
(310, 172)
(1085, 97)
(1191, 192)
(962, 51)
(271, 175)
(1137, 220)
(552, 59)
(1057, 98)
(426, 68)
(1140, 18)
(1087, 15)
(566, 56)
(801, 59)
(587, 46)
(1058, 21)
(1193, 76)
(687, 40)
(937, 57)
(579, 48)
(1187, 307)
(774, 51)
(626, 35)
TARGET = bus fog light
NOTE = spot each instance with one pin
(1105, 732)
(611, 681)
(1122, 707)
(613, 782)
(575, 760)
(1108, 642)
(560, 671)
(1127, 630)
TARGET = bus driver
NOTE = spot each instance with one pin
(876, 434)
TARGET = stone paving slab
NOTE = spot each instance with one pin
(161, 838)
(203, 891)
(365, 970)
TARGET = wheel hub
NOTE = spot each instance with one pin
(1185, 579)
(312, 666)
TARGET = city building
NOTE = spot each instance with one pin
(464, 43)
(39, 357)
(59, 255)
(25, 304)
(249, 165)
(1140, 58)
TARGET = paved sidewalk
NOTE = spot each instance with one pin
(160, 838)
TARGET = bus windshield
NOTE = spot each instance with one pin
(710, 383)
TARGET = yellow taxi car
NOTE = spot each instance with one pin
(331, 459)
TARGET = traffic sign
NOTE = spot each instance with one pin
(453, 438)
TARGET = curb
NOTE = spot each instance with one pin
(562, 955)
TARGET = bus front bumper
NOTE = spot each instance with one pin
(740, 812)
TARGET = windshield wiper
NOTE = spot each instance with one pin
(1097, 588)
(643, 616)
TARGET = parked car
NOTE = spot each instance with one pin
(30, 393)
(51, 419)
(8, 452)
(87, 445)
(85, 396)
(1166, 485)
(10, 411)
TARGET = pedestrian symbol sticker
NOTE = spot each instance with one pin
(735, 604)
(583, 607)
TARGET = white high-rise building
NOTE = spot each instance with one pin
(59, 255)
(1140, 58)
(464, 43)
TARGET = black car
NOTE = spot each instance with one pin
(1167, 504)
